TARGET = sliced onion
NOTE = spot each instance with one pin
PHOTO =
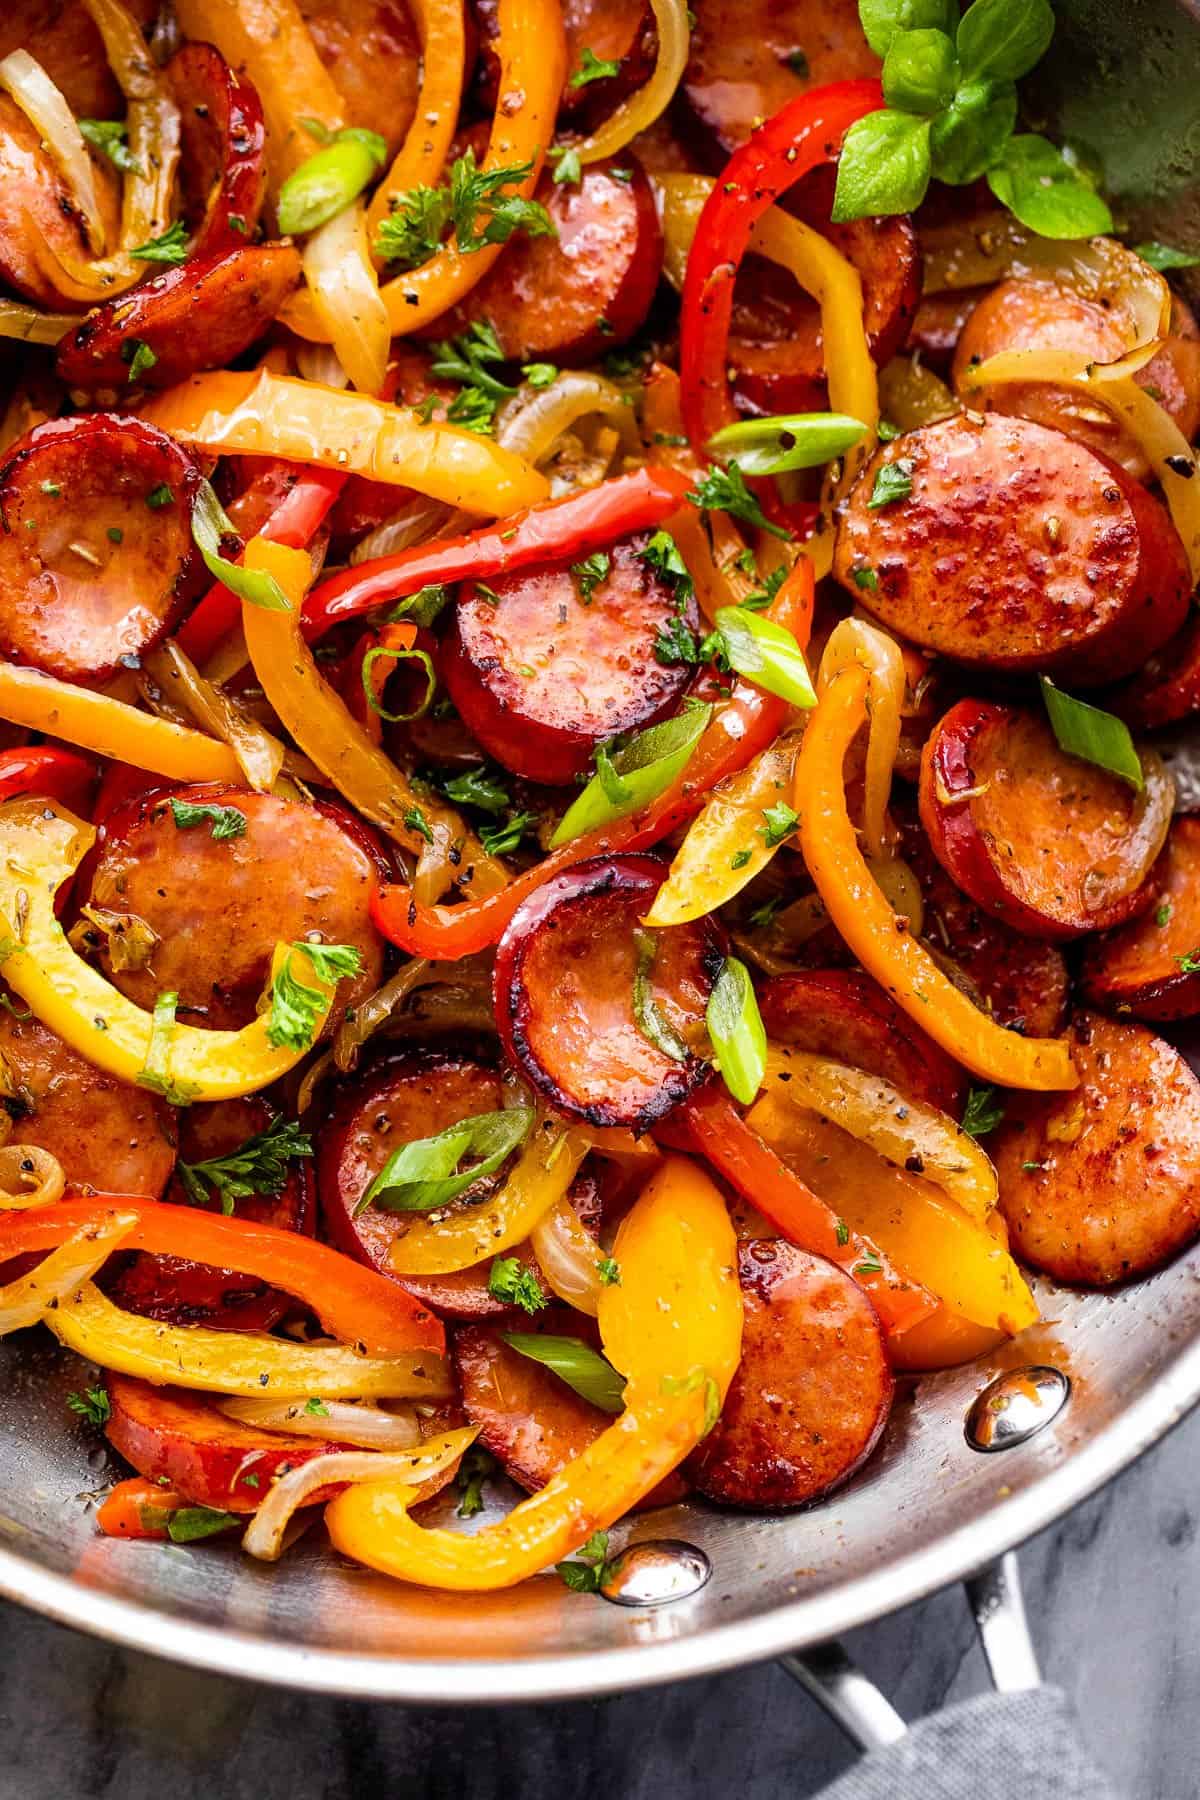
(418, 520)
(910, 395)
(535, 419)
(32, 326)
(567, 1256)
(24, 1301)
(47, 111)
(641, 109)
(264, 1536)
(338, 1422)
(854, 641)
(260, 755)
(29, 1176)
(345, 293)
(319, 363)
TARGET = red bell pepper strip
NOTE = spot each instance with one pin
(294, 522)
(803, 134)
(710, 1123)
(355, 1304)
(47, 771)
(559, 531)
(138, 1508)
(742, 728)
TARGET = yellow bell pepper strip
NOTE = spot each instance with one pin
(541, 1175)
(26, 1300)
(109, 727)
(867, 922)
(422, 156)
(236, 1362)
(258, 413)
(533, 65)
(342, 749)
(677, 1319)
(964, 1264)
(40, 847)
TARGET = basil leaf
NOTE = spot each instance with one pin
(191, 1523)
(582, 1368)
(966, 139)
(1095, 736)
(328, 182)
(786, 441)
(1003, 39)
(210, 528)
(766, 654)
(920, 72)
(649, 1017)
(428, 1172)
(882, 20)
(1164, 257)
(631, 778)
(736, 1031)
(883, 168)
(1037, 183)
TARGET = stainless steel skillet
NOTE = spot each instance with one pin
(1125, 83)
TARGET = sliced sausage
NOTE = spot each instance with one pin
(938, 322)
(776, 348)
(96, 563)
(580, 293)
(748, 60)
(372, 51)
(843, 1014)
(542, 668)
(198, 316)
(60, 33)
(32, 192)
(812, 1392)
(1052, 845)
(620, 31)
(181, 1292)
(1167, 686)
(566, 976)
(1151, 967)
(1015, 548)
(1022, 983)
(109, 1137)
(1103, 1182)
(1048, 315)
(219, 906)
(223, 166)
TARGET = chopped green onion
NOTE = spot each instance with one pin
(210, 525)
(787, 441)
(736, 1031)
(409, 655)
(631, 778)
(648, 1015)
(582, 1368)
(766, 654)
(429, 1171)
(328, 182)
(1098, 737)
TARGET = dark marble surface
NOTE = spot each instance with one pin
(1113, 1594)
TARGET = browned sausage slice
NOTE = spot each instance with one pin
(580, 293)
(60, 33)
(748, 60)
(1050, 844)
(1014, 548)
(542, 668)
(199, 316)
(219, 905)
(31, 189)
(96, 555)
(620, 31)
(566, 984)
(938, 322)
(223, 171)
(1151, 967)
(528, 1418)
(1103, 1182)
(813, 1390)
(1167, 687)
(843, 1014)
(373, 53)
(1047, 315)
(110, 1138)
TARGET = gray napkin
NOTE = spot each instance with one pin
(999, 1747)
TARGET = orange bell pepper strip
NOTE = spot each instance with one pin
(867, 922)
(422, 156)
(138, 1508)
(355, 1304)
(711, 1124)
(674, 1325)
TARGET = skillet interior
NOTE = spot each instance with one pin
(1122, 84)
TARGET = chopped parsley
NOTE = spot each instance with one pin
(317, 1408)
(258, 1166)
(590, 573)
(1162, 913)
(171, 247)
(983, 1112)
(842, 1232)
(780, 822)
(740, 858)
(109, 137)
(477, 787)
(676, 643)
(539, 374)
(502, 840)
(159, 496)
(588, 1574)
(296, 1008)
(139, 356)
(415, 820)
(725, 490)
(515, 1283)
(609, 1271)
(893, 481)
(762, 915)
(593, 68)
(464, 359)
(476, 1467)
(224, 821)
(475, 205)
(93, 1405)
(568, 167)
(1189, 962)
(866, 579)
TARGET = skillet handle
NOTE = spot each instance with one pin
(1019, 1743)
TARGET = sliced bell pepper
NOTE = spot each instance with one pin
(674, 1326)
(354, 1303)
(138, 1508)
(555, 531)
(39, 849)
(45, 770)
(422, 156)
(802, 135)
(867, 921)
(110, 728)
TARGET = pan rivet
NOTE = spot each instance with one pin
(651, 1573)
(1016, 1406)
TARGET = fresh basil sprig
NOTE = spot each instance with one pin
(950, 112)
